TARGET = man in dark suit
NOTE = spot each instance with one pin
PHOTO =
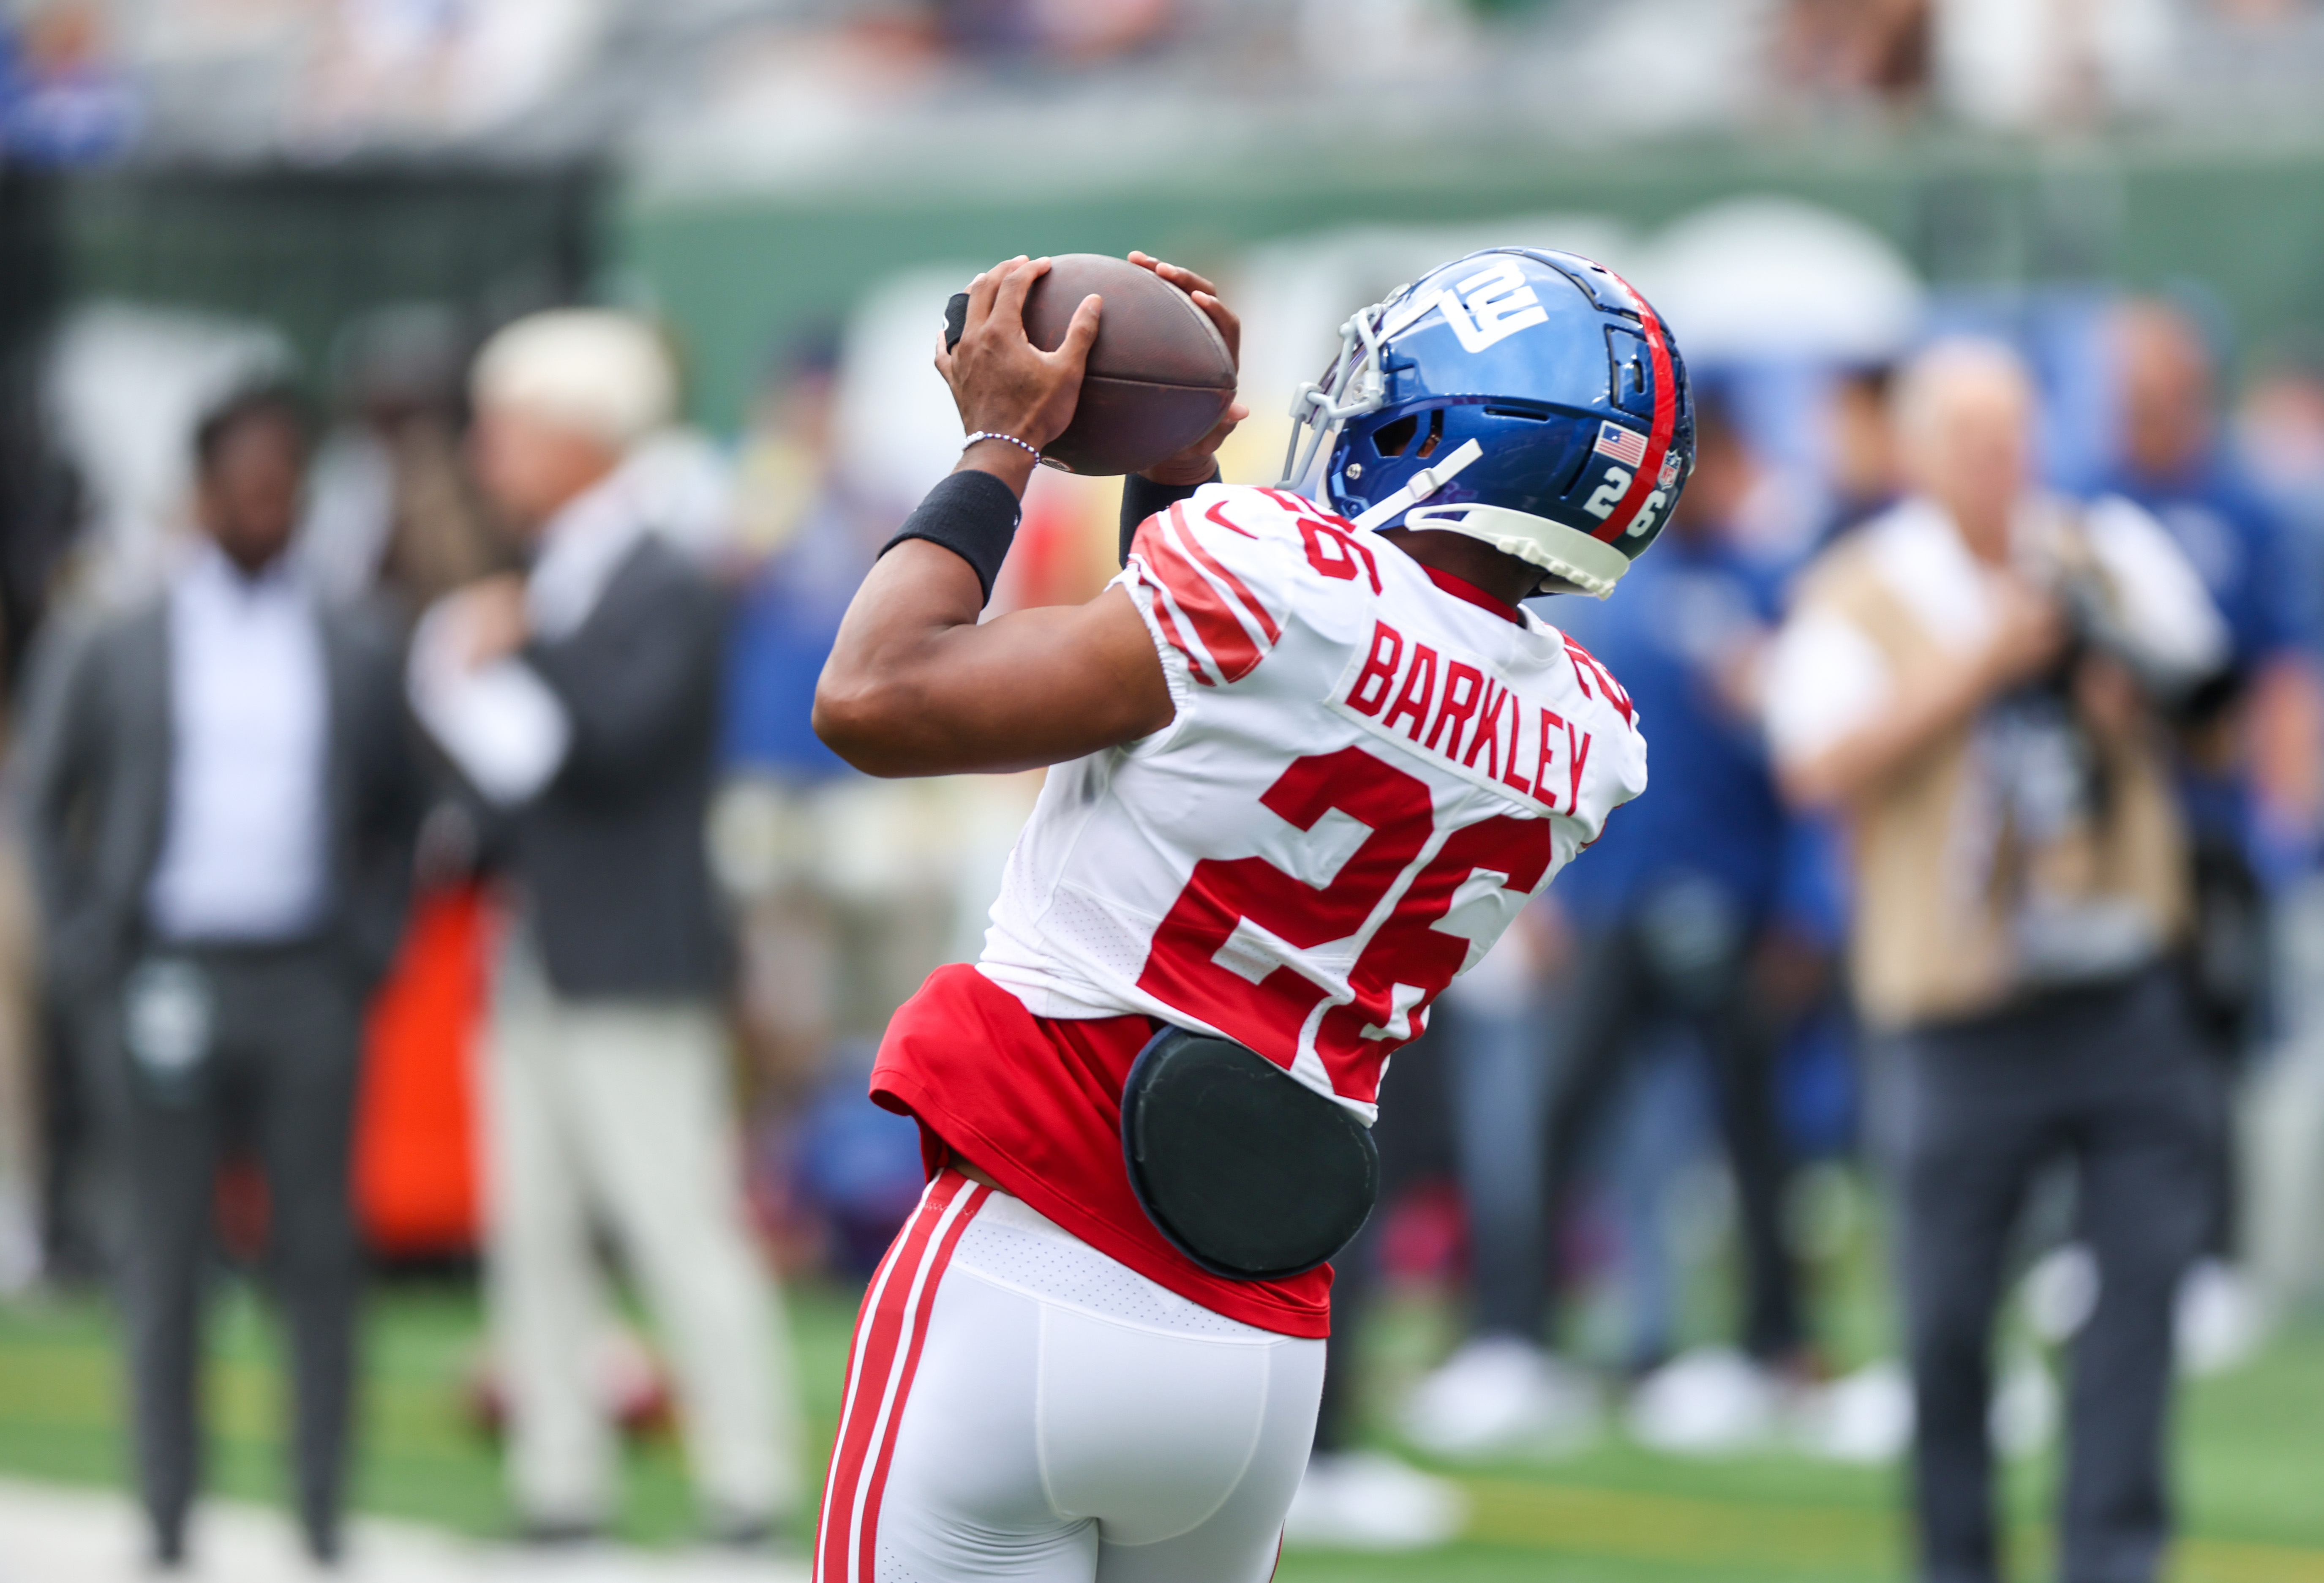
(582, 699)
(220, 799)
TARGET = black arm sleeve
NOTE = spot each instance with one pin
(973, 515)
(1142, 497)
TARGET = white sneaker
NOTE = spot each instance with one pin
(1863, 1417)
(1498, 1394)
(2061, 1291)
(2023, 1419)
(1710, 1402)
(20, 1242)
(1363, 1499)
(2222, 1319)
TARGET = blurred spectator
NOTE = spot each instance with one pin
(220, 801)
(815, 537)
(392, 69)
(2280, 435)
(1672, 918)
(2254, 780)
(1845, 50)
(64, 99)
(1068, 32)
(582, 699)
(391, 500)
(2173, 463)
(1862, 453)
(2280, 432)
(2053, 65)
(1973, 680)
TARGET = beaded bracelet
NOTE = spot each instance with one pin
(1005, 438)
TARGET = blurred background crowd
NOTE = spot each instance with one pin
(423, 890)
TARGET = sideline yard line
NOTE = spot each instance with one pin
(1775, 1536)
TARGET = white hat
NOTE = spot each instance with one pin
(604, 374)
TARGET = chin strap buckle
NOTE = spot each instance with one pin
(1422, 484)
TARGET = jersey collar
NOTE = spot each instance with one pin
(1463, 588)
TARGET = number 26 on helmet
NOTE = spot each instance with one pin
(1528, 398)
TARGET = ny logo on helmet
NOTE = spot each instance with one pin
(1486, 309)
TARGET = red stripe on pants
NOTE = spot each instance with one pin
(890, 1331)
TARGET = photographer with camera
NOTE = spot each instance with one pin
(1980, 682)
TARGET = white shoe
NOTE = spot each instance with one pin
(2061, 1291)
(20, 1242)
(2222, 1320)
(2023, 1419)
(1363, 1499)
(1863, 1418)
(1710, 1402)
(1498, 1394)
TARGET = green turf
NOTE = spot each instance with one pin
(2251, 1462)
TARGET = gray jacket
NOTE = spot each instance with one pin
(93, 765)
(610, 855)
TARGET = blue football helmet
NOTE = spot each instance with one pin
(1526, 398)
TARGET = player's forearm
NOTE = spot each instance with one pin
(874, 694)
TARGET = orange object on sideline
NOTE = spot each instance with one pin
(415, 1153)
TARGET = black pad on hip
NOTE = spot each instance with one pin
(1249, 1173)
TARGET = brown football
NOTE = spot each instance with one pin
(1160, 374)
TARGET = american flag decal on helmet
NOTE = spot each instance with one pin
(1626, 446)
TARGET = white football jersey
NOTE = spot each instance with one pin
(1372, 770)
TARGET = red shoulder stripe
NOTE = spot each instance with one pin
(1215, 623)
(1249, 601)
(1154, 549)
(1197, 664)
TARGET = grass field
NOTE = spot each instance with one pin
(2251, 1458)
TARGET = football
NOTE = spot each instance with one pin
(1160, 374)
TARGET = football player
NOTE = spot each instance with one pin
(1309, 757)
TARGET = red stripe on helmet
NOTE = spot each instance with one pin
(1658, 439)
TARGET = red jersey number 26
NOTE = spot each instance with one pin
(1408, 949)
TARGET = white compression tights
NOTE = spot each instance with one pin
(1019, 1406)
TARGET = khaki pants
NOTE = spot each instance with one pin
(618, 1114)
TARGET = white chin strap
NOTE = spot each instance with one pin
(1572, 560)
(1421, 486)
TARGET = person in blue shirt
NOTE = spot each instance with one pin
(2252, 775)
(1670, 919)
(2268, 744)
(819, 536)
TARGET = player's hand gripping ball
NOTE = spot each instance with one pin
(1159, 383)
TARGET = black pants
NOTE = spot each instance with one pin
(1686, 961)
(275, 1076)
(2110, 1080)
